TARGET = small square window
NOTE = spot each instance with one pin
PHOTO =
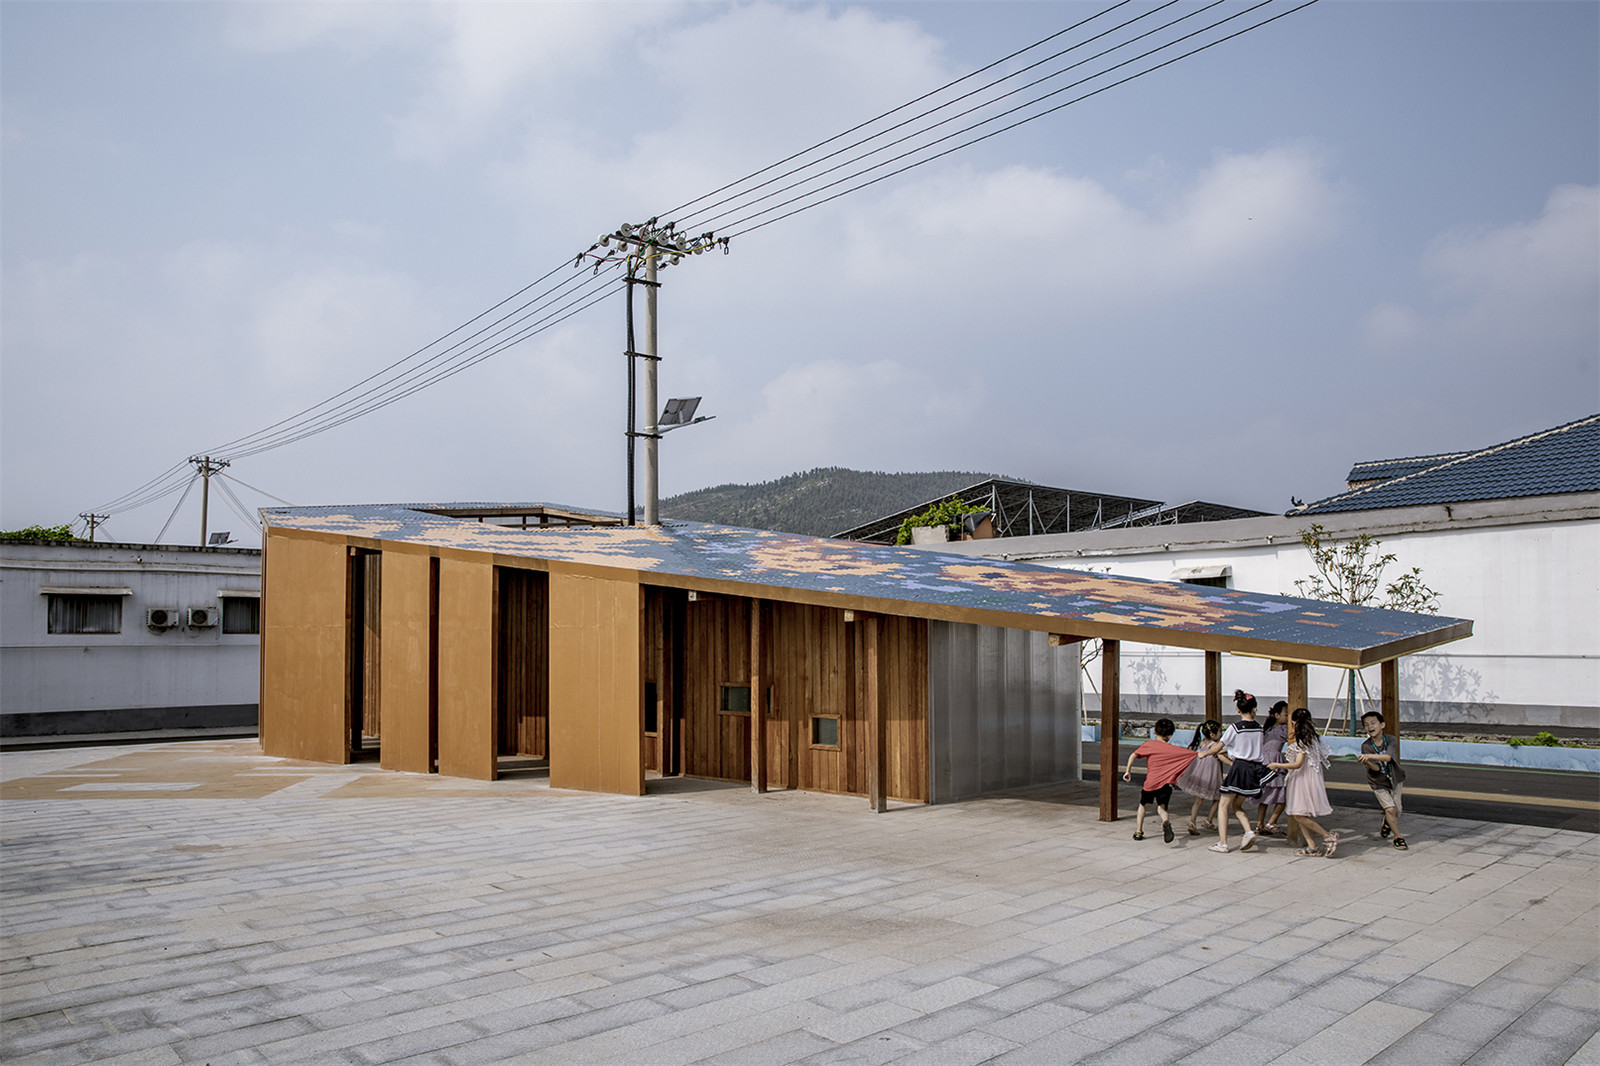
(824, 732)
(241, 614)
(84, 614)
(735, 699)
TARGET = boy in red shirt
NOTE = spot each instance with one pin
(1167, 762)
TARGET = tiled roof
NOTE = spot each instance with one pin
(914, 582)
(1563, 459)
(1384, 469)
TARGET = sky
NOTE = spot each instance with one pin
(1366, 230)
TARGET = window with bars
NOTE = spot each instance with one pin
(84, 614)
(241, 614)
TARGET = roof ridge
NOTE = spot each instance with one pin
(1462, 457)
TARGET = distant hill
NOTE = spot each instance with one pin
(819, 502)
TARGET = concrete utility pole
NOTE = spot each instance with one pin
(650, 245)
(207, 466)
(652, 434)
(93, 520)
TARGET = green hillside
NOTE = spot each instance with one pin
(819, 502)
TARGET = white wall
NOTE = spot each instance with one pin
(139, 668)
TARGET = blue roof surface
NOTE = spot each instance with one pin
(1563, 459)
(844, 572)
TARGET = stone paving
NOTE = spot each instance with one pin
(201, 903)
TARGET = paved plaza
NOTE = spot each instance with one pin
(198, 902)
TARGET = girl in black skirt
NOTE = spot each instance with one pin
(1242, 742)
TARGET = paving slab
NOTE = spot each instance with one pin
(199, 901)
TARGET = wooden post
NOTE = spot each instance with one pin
(1214, 686)
(877, 767)
(758, 705)
(1296, 678)
(1110, 726)
(1389, 695)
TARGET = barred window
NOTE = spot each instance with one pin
(84, 614)
(241, 614)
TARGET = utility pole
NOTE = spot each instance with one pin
(93, 521)
(649, 245)
(206, 466)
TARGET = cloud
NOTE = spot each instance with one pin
(1242, 218)
(1530, 288)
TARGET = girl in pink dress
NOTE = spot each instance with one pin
(1203, 778)
(1305, 758)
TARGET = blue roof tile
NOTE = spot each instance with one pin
(1553, 461)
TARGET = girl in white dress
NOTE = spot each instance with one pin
(1305, 758)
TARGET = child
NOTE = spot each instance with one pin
(1380, 754)
(1306, 793)
(1167, 762)
(1274, 735)
(1203, 778)
(1242, 742)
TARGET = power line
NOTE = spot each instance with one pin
(556, 303)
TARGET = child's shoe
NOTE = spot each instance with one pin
(1220, 847)
(1166, 832)
(1248, 842)
(1139, 835)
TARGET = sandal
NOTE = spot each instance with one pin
(1308, 853)
(1219, 847)
(1139, 835)
(1193, 831)
(1209, 826)
(1333, 842)
(1400, 842)
(1166, 832)
(1384, 830)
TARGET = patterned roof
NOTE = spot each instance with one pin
(883, 578)
(1563, 459)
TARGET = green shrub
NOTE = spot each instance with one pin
(947, 514)
(39, 533)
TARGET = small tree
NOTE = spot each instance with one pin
(1351, 571)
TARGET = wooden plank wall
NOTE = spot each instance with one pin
(406, 672)
(596, 655)
(304, 648)
(522, 682)
(903, 693)
(467, 647)
(812, 659)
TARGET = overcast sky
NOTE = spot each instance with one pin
(1368, 230)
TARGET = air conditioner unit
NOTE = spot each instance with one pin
(203, 617)
(162, 617)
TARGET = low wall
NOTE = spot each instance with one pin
(126, 720)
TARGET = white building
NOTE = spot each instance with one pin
(1508, 536)
(106, 638)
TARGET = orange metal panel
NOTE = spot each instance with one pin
(407, 731)
(596, 718)
(304, 643)
(467, 638)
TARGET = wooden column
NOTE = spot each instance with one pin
(1214, 686)
(1296, 678)
(877, 739)
(1389, 695)
(758, 705)
(1110, 726)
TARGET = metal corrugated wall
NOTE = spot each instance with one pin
(1004, 710)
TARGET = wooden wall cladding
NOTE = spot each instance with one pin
(406, 670)
(303, 649)
(811, 659)
(595, 713)
(467, 648)
(522, 682)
